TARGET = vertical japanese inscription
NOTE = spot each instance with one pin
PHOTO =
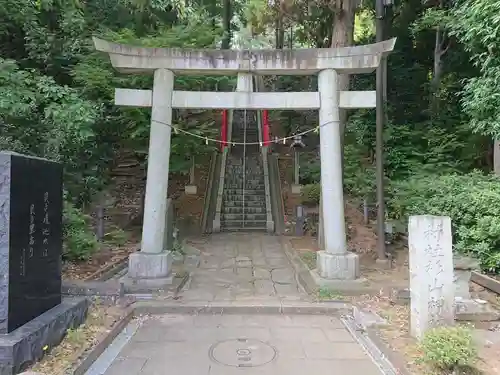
(46, 225)
(431, 272)
(32, 230)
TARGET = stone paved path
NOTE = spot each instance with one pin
(242, 344)
(242, 266)
(237, 267)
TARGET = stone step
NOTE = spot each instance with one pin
(243, 225)
(246, 203)
(244, 210)
(260, 187)
(245, 192)
(238, 197)
(244, 217)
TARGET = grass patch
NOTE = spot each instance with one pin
(309, 258)
(326, 294)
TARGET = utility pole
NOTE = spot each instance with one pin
(379, 145)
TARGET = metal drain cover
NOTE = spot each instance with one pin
(242, 353)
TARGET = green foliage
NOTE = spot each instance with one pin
(471, 200)
(40, 117)
(476, 25)
(116, 236)
(448, 348)
(79, 240)
(311, 194)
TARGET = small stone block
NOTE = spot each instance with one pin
(474, 311)
(465, 263)
(296, 189)
(190, 189)
(338, 266)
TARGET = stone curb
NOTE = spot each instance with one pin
(112, 288)
(113, 270)
(395, 359)
(381, 355)
(94, 353)
(485, 281)
(230, 307)
(302, 272)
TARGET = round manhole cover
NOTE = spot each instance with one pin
(242, 353)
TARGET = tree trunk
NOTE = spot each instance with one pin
(226, 21)
(343, 36)
(496, 157)
(440, 49)
(280, 32)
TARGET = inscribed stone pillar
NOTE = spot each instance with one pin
(334, 262)
(431, 273)
(153, 261)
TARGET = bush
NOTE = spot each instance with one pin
(471, 200)
(79, 242)
(311, 194)
(448, 348)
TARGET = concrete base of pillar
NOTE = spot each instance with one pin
(270, 226)
(190, 189)
(216, 225)
(337, 266)
(296, 189)
(149, 271)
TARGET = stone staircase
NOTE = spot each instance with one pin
(244, 197)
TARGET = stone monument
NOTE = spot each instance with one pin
(431, 273)
(32, 314)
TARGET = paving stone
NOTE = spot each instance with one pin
(286, 289)
(260, 262)
(278, 263)
(244, 263)
(283, 276)
(344, 350)
(289, 349)
(241, 258)
(339, 335)
(228, 263)
(209, 261)
(318, 321)
(264, 287)
(315, 335)
(129, 366)
(185, 365)
(325, 367)
(146, 351)
(245, 273)
(261, 273)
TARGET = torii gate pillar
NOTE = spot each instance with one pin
(335, 262)
(152, 265)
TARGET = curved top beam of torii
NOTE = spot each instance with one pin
(351, 60)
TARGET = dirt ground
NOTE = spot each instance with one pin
(66, 356)
(396, 333)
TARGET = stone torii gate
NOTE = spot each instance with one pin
(152, 265)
